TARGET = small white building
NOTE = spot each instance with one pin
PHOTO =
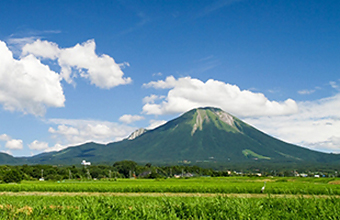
(85, 163)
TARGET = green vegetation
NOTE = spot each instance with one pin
(163, 198)
(248, 153)
(222, 185)
(91, 207)
(12, 176)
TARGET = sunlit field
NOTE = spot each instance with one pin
(223, 185)
(194, 198)
(100, 207)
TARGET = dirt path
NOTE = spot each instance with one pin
(232, 195)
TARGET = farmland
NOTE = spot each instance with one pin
(193, 198)
(222, 185)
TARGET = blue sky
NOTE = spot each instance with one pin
(79, 71)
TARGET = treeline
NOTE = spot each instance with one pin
(120, 169)
(130, 169)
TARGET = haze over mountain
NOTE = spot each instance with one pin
(202, 135)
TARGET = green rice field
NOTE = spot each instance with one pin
(225, 185)
(196, 198)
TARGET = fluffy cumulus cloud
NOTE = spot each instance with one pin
(27, 85)
(37, 145)
(14, 144)
(316, 125)
(187, 93)
(73, 132)
(11, 144)
(101, 71)
(128, 119)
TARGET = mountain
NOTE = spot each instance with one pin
(137, 133)
(203, 135)
(8, 159)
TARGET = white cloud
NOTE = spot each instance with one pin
(42, 49)
(6, 152)
(155, 123)
(187, 93)
(37, 145)
(73, 132)
(5, 137)
(316, 125)
(102, 71)
(152, 98)
(11, 144)
(157, 74)
(27, 85)
(14, 144)
(334, 85)
(306, 92)
(128, 119)
(15, 44)
(56, 147)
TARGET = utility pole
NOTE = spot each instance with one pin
(42, 173)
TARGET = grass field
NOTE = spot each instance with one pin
(99, 207)
(201, 198)
(304, 186)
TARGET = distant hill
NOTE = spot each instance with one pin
(8, 159)
(200, 136)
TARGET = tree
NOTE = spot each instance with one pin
(124, 167)
(12, 176)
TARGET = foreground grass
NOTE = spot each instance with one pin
(99, 207)
(296, 186)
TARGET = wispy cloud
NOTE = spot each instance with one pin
(334, 85)
(157, 74)
(17, 40)
(143, 20)
(203, 65)
(306, 92)
(216, 5)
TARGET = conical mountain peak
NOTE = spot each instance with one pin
(201, 135)
(215, 116)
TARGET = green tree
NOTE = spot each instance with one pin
(12, 176)
(124, 167)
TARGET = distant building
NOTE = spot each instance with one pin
(85, 163)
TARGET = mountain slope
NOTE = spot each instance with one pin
(200, 135)
(8, 159)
